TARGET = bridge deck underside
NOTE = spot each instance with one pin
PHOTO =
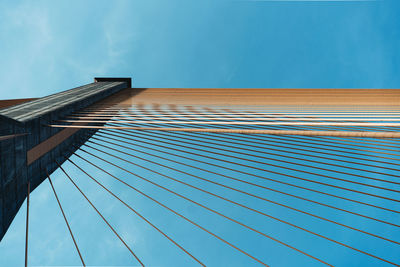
(301, 175)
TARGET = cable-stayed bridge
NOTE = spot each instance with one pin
(319, 165)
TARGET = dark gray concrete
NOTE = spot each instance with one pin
(31, 118)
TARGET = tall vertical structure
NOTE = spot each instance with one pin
(28, 147)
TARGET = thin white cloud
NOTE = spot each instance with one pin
(27, 35)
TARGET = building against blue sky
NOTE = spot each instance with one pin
(49, 46)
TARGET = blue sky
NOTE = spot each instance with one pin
(50, 46)
(198, 44)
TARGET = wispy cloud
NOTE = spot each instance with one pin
(27, 35)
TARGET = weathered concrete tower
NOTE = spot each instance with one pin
(28, 147)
